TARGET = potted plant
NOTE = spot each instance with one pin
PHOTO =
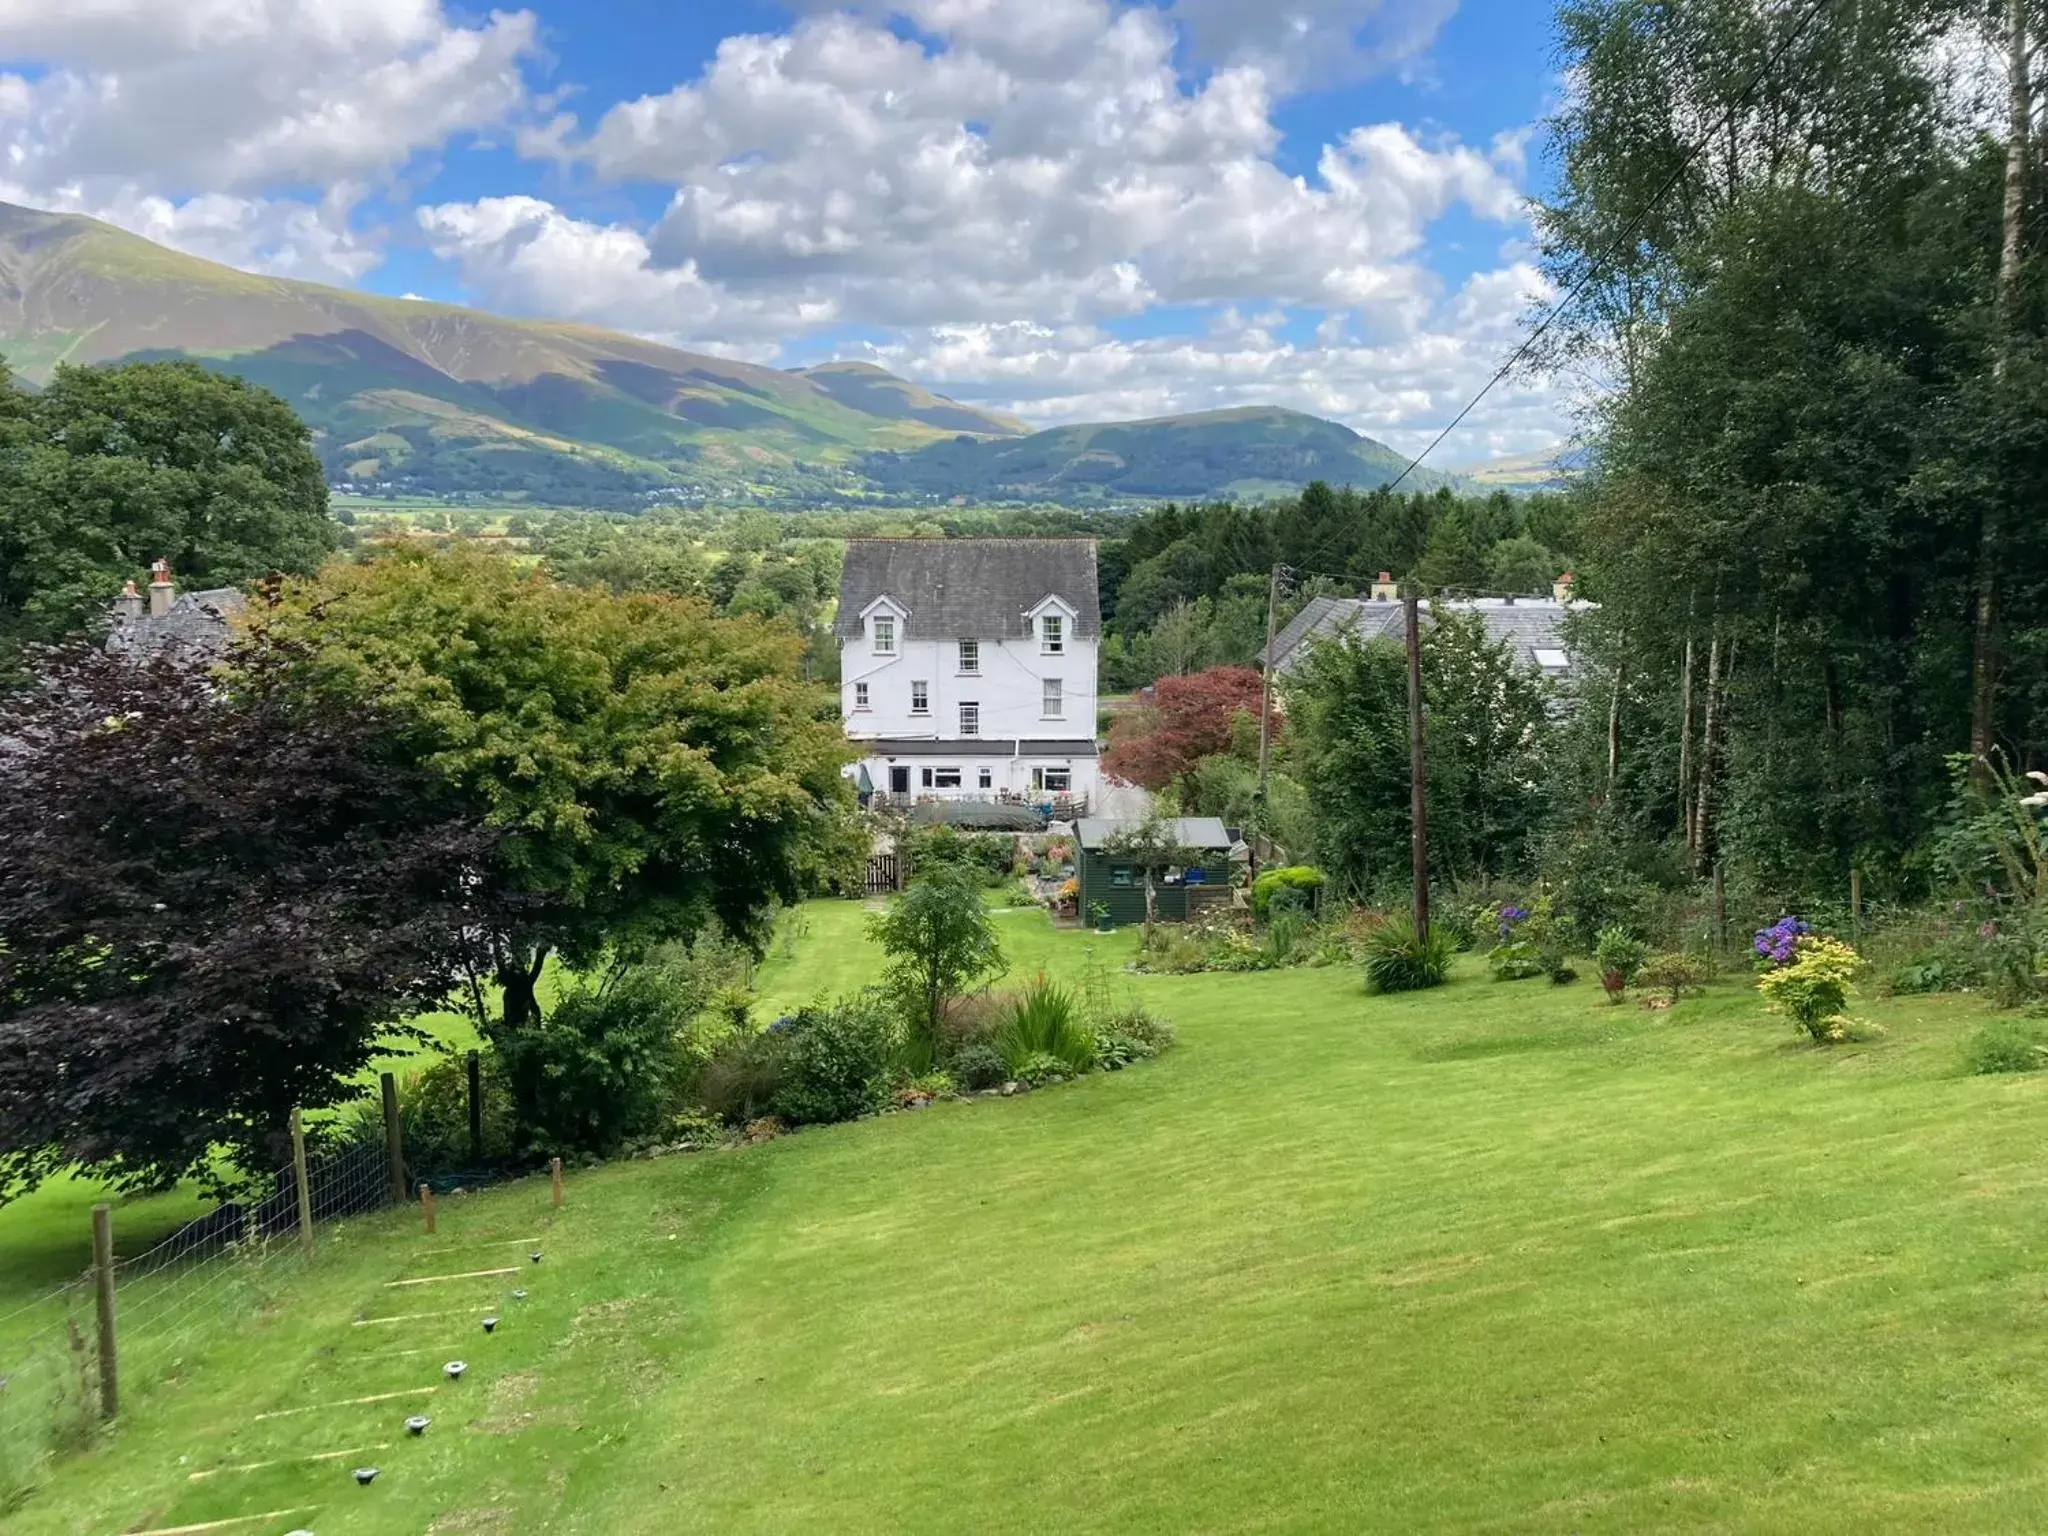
(1099, 910)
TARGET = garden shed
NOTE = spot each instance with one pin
(1118, 883)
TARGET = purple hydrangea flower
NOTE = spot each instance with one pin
(1779, 942)
(1509, 916)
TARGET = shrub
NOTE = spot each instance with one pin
(1037, 1068)
(1813, 990)
(601, 1068)
(1045, 1021)
(2009, 1045)
(741, 1080)
(434, 1114)
(1515, 961)
(836, 1066)
(1621, 956)
(1304, 878)
(1398, 959)
(981, 859)
(1928, 975)
(1114, 1052)
(1133, 1022)
(976, 1067)
(1674, 975)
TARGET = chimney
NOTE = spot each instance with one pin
(1561, 589)
(161, 589)
(128, 606)
(1384, 590)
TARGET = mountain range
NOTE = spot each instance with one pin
(433, 398)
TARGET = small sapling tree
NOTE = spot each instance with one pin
(940, 942)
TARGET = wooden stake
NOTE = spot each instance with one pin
(394, 1139)
(103, 1287)
(1856, 902)
(305, 1186)
(476, 1111)
(427, 1205)
(555, 1178)
(1720, 908)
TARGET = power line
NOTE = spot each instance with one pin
(1627, 234)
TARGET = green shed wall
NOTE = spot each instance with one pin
(1127, 903)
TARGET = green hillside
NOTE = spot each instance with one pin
(1247, 452)
(407, 396)
(439, 398)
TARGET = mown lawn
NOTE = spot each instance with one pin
(1495, 1257)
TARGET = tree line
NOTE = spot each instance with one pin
(1814, 528)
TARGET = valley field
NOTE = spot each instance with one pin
(1497, 1257)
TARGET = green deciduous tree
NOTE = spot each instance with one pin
(108, 469)
(648, 766)
(1489, 726)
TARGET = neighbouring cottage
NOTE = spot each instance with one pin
(1533, 628)
(196, 626)
(1116, 882)
(967, 670)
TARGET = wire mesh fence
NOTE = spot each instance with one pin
(62, 1373)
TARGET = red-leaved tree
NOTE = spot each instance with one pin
(1192, 718)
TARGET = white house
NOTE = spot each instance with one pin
(967, 667)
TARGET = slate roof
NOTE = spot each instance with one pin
(198, 627)
(971, 746)
(1527, 624)
(964, 589)
(1189, 831)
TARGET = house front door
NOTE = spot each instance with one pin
(899, 781)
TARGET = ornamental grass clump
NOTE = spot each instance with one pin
(1398, 959)
(1046, 1021)
(1812, 987)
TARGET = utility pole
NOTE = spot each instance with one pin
(1418, 771)
(1265, 713)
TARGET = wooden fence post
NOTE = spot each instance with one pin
(305, 1186)
(1720, 908)
(103, 1286)
(555, 1177)
(427, 1204)
(1856, 903)
(476, 1111)
(394, 1139)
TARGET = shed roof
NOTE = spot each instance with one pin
(963, 589)
(1190, 831)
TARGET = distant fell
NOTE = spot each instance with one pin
(437, 397)
(1249, 451)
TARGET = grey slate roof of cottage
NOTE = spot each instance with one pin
(1527, 624)
(1188, 831)
(198, 627)
(964, 589)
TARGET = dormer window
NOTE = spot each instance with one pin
(885, 634)
(1052, 634)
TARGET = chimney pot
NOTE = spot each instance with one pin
(1562, 588)
(1384, 590)
(129, 604)
(161, 589)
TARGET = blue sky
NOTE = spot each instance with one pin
(1073, 209)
